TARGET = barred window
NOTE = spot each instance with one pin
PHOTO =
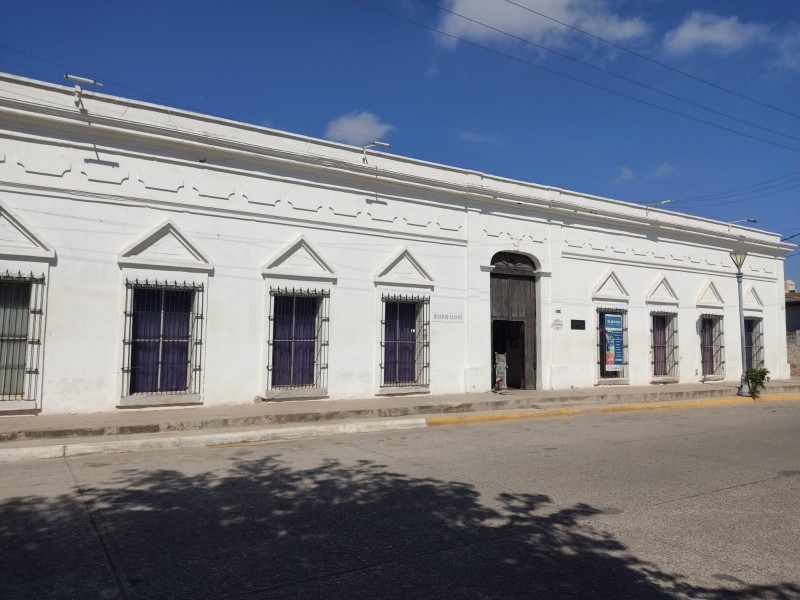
(405, 341)
(299, 338)
(21, 302)
(712, 346)
(163, 337)
(754, 342)
(612, 343)
(664, 344)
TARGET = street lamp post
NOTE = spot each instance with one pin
(738, 256)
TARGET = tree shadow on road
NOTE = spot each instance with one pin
(264, 530)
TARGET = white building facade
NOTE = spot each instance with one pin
(153, 257)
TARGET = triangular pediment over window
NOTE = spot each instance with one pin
(403, 268)
(299, 260)
(18, 240)
(752, 300)
(165, 247)
(662, 292)
(709, 295)
(609, 287)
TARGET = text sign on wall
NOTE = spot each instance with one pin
(447, 314)
(613, 343)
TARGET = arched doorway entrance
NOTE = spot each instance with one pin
(513, 307)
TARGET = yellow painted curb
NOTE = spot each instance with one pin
(609, 409)
(693, 403)
(485, 418)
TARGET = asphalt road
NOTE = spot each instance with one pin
(700, 503)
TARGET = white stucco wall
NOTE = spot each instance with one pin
(94, 185)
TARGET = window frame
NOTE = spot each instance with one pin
(321, 339)
(671, 347)
(717, 347)
(31, 382)
(607, 377)
(754, 353)
(194, 368)
(421, 343)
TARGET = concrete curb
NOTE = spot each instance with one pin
(208, 439)
(607, 409)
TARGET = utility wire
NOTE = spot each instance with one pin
(576, 79)
(786, 189)
(654, 61)
(747, 187)
(607, 71)
(742, 192)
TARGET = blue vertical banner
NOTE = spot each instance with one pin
(613, 343)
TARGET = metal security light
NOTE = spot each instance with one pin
(373, 144)
(743, 221)
(79, 81)
(660, 203)
(738, 257)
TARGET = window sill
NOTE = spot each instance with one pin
(612, 381)
(400, 390)
(665, 380)
(713, 378)
(144, 400)
(278, 394)
(17, 405)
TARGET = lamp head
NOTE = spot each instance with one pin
(738, 256)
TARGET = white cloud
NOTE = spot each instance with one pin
(481, 138)
(663, 170)
(594, 16)
(709, 31)
(357, 128)
(624, 174)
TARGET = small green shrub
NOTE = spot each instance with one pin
(756, 379)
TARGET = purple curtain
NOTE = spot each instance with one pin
(161, 322)
(294, 340)
(400, 339)
(305, 325)
(282, 341)
(659, 346)
(707, 345)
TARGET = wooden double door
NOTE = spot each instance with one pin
(513, 307)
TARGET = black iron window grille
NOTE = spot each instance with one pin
(298, 338)
(608, 322)
(405, 341)
(712, 345)
(664, 344)
(21, 316)
(754, 342)
(163, 337)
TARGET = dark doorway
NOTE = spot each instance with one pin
(513, 307)
(508, 337)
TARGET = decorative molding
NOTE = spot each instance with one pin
(18, 240)
(44, 163)
(299, 260)
(661, 292)
(403, 268)
(752, 299)
(709, 296)
(609, 287)
(101, 171)
(161, 180)
(165, 247)
(208, 186)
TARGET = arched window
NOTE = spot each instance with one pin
(511, 262)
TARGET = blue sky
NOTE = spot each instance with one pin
(346, 70)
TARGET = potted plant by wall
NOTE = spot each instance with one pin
(756, 379)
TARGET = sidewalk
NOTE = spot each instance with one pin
(47, 436)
